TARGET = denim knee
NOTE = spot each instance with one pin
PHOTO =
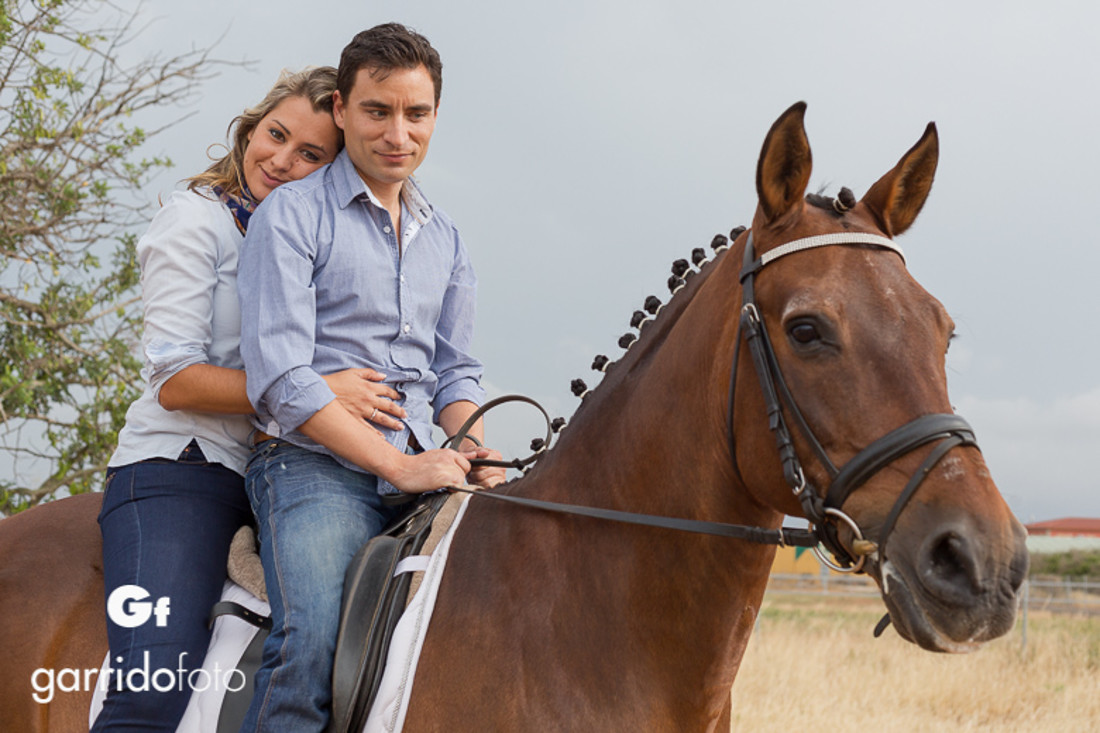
(313, 515)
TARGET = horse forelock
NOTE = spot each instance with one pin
(844, 201)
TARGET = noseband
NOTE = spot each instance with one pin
(823, 512)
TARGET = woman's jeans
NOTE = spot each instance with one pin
(312, 516)
(166, 529)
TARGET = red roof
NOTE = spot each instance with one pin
(1067, 526)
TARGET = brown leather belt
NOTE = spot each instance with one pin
(259, 436)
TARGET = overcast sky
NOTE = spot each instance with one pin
(584, 145)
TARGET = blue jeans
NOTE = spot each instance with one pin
(313, 515)
(166, 527)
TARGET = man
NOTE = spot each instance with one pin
(350, 268)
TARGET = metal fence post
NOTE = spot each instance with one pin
(1025, 602)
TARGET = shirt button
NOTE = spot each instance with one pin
(386, 229)
(407, 328)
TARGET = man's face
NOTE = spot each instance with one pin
(387, 125)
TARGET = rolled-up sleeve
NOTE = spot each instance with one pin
(457, 371)
(278, 312)
(178, 257)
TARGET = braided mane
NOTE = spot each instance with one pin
(844, 201)
(646, 321)
(651, 322)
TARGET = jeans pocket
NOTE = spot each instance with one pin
(118, 489)
(103, 507)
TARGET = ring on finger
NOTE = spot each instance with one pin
(372, 415)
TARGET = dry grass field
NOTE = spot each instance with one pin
(813, 664)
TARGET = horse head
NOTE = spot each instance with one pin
(858, 351)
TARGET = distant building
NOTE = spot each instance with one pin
(1069, 527)
(1064, 535)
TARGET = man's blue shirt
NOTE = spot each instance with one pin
(325, 286)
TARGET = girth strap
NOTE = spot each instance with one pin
(236, 701)
(232, 608)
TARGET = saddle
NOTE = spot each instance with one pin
(374, 599)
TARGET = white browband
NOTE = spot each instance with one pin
(824, 240)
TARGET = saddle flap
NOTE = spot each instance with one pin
(372, 604)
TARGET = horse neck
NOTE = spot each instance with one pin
(653, 438)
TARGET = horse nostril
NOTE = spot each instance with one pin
(949, 569)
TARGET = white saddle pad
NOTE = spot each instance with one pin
(387, 715)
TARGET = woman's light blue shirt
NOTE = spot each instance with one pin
(188, 261)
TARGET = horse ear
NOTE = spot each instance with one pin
(783, 171)
(898, 197)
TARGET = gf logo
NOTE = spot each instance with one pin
(127, 607)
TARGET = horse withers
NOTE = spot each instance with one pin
(831, 401)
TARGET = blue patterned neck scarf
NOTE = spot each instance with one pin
(240, 206)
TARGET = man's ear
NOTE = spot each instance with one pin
(338, 109)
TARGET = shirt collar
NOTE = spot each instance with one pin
(345, 179)
(350, 186)
(415, 202)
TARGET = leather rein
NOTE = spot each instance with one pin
(759, 535)
(823, 513)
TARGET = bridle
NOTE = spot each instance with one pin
(948, 430)
(824, 512)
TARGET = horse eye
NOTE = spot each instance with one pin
(804, 333)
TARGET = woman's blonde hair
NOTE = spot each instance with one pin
(227, 173)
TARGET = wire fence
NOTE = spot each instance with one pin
(1044, 593)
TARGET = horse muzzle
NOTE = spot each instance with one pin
(952, 593)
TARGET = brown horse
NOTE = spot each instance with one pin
(547, 621)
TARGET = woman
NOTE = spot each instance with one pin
(175, 495)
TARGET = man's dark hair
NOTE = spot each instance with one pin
(383, 49)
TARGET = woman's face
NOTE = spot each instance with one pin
(290, 142)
